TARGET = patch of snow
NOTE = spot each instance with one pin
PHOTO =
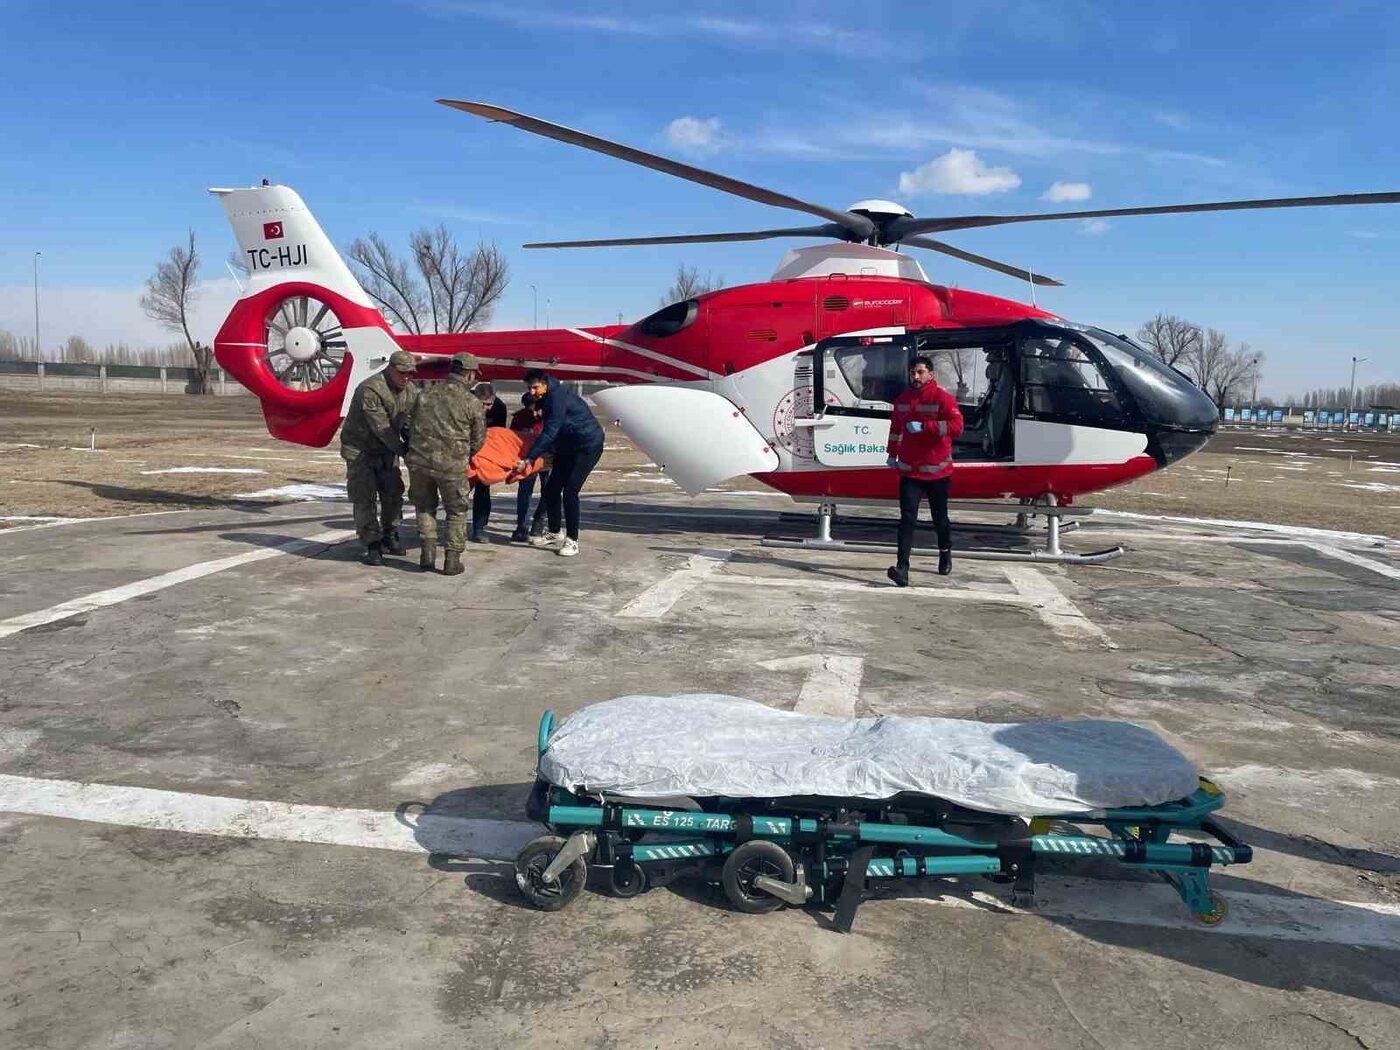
(1275, 451)
(300, 492)
(205, 470)
(1369, 486)
(14, 742)
(437, 773)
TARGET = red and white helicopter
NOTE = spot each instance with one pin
(789, 380)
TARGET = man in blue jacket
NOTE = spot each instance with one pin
(573, 437)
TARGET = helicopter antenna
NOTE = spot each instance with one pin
(1030, 279)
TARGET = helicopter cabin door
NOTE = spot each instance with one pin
(857, 379)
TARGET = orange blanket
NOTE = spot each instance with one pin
(496, 461)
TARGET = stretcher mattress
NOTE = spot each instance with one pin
(706, 744)
(496, 460)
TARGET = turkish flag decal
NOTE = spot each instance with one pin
(272, 231)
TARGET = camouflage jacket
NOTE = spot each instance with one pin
(448, 427)
(377, 418)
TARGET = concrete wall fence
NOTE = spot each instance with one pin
(58, 376)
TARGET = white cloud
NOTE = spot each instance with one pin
(694, 135)
(1060, 192)
(1093, 228)
(957, 171)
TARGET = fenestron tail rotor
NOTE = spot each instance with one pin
(880, 223)
(305, 343)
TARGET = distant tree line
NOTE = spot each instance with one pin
(78, 351)
(1386, 394)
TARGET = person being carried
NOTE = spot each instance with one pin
(447, 429)
(573, 437)
(528, 422)
(495, 410)
(926, 419)
(371, 440)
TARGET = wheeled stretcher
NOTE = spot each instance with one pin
(770, 848)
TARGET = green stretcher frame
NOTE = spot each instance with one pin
(623, 836)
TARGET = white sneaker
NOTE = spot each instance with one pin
(568, 549)
(548, 540)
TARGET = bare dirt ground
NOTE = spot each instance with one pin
(222, 456)
(157, 453)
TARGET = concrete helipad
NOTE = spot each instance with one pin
(253, 793)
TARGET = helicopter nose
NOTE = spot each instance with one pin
(1169, 446)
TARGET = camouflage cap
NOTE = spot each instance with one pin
(464, 363)
(403, 361)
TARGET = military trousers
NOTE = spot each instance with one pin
(427, 490)
(375, 488)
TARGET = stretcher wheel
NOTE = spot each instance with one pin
(746, 863)
(1218, 910)
(530, 865)
(628, 880)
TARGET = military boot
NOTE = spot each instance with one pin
(374, 555)
(427, 555)
(452, 564)
(899, 574)
(393, 545)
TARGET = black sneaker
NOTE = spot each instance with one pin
(478, 536)
(899, 574)
(374, 555)
(945, 561)
(520, 536)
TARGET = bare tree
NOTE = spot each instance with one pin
(441, 288)
(689, 284)
(1170, 339)
(1231, 373)
(170, 295)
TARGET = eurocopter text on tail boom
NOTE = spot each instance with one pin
(790, 380)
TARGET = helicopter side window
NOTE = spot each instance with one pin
(874, 373)
(1060, 379)
(670, 319)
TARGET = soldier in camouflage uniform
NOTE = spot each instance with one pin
(449, 427)
(371, 440)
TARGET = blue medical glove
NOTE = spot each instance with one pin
(890, 461)
(914, 426)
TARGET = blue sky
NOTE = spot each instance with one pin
(115, 117)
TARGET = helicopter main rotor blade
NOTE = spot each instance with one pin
(856, 227)
(900, 229)
(828, 230)
(982, 260)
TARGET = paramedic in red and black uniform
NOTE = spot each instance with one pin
(925, 422)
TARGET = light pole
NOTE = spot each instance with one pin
(1254, 398)
(546, 311)
(1351, 398)
(536, 315)
(37, 355)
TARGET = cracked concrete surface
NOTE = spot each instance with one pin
(311, 679)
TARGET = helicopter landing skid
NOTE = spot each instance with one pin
(1046, 506)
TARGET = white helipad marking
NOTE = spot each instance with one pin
(1059, 613)
(658, 599)
(117, 595)
(41, 521)
(972, 594)
(242, 818)
(1283, 917)
(1290, 918)
(832, 686)
(1327, 550)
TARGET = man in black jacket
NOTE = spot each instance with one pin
(575, 440)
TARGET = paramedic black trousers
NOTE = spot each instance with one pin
(570, 471)
(912, 492)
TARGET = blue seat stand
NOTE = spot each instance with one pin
(771, 852)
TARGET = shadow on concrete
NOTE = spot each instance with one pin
(231, 525)
(1310, 848)
(128, 494)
